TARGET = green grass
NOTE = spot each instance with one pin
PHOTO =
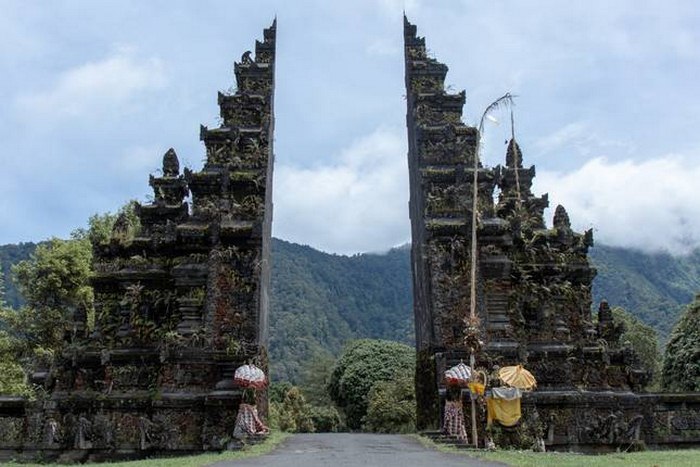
(268, 445)
(676, 458)
(671, 458)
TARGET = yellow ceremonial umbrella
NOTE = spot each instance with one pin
(517, 377)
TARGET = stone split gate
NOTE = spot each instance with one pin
(184, 302)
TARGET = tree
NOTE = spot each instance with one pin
(2, 288)
(681, 368)
(13, 379)
(100, 225)
(54, 283)
(11, 254)
(392, 406)
(277, 391)
(362, 364)
(642, 338)
(326, 419)
(293, 414)
(315, 377)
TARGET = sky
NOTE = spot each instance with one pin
(94, 92)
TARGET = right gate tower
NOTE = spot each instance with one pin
(533, 283)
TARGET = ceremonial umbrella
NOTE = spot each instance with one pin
(250, 376)
(517, 377)
(458, 375)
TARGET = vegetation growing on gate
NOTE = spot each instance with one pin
(54, 286)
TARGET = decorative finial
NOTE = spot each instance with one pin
(171, 165)
(514, 156)
(561, 218)
(120, 229)
(604, 312)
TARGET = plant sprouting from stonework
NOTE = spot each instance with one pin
(232, 346)
(132, 296)
(102, 226)
(198, 294)
(251, 206)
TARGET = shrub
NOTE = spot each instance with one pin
(681, 369)
(392, 406)
(643, 340)
(363, 364)
(326, 419)
(293, 414)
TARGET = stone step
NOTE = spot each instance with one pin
(497, 298)
(498, 319)
(443, 438)
(497, 313)
(498, 326)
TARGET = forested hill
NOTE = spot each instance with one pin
(319, 300)
(654, 287)
(12, 254)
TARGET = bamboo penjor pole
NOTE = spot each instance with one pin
(506, 99)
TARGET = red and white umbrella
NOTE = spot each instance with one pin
(458, 375)
(250, 376)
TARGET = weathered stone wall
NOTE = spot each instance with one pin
(580, 420)
(83, 427)
(610, 420)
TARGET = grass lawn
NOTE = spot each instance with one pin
(673, 458)
(676, 458)
(275, 438)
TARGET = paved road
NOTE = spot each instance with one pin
(349, 449)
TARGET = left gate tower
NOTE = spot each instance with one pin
(181, 299)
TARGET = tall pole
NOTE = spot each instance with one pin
(506, 99)
(516, 157)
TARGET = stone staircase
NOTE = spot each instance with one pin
(497, 312)
(439, 437)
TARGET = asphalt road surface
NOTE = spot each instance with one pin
(350, 449)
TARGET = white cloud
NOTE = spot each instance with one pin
(358, 204)
(383, 48)
(583, 139)
(393, 7)
(562, 137)
(138, 160)
(651, 205)
(17, 41)
(95, 87)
